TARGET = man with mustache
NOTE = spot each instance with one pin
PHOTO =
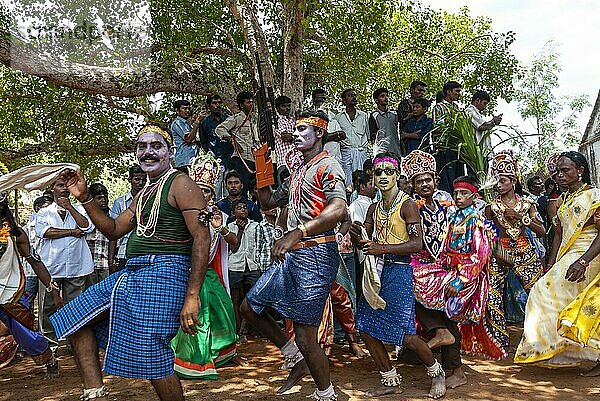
(158, 290)
(306, 256)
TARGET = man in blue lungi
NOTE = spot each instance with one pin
(306, 256)
(134, 313)
(386, 311)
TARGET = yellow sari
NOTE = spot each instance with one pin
(556, 302)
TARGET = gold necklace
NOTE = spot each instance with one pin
(569, 197)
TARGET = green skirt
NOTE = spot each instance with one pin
(197, 357)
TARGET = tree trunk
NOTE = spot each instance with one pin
(293, 68)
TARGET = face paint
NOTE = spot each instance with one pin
(305, 137)
(153, 154)
(384, 181)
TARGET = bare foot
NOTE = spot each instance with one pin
(442, 337)
(52, 371)
(357, 351)
(296, 374)
(438, 387)
(594, 372)
(383, 390)
(457, 379)
(238, 360)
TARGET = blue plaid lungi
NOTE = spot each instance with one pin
(298, 287)
(397, 319)
(144, 301)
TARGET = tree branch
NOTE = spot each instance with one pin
(121, 82)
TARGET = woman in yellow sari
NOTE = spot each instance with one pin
(563, 309)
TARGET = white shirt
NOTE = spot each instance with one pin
(247, 249)
(477, 119)
(66, 257)
(358, 209)
(120, 205)
(357, 130)
(34, 243)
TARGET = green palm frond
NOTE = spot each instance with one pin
(457, 135)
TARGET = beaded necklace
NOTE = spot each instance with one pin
(385, 227)
(148, 229)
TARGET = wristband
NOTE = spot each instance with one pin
(583, 262)
(302, 228)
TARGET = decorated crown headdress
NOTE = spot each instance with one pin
(505, 164)
(552, 163)
(205, 170)
(418, 162)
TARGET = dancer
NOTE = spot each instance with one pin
(393, 224)
(420, 169)
(514, 250)
(199, 356)
(575, 266)
(158, 290)
(14, 307)
(306, 257)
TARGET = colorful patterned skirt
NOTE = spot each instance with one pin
(144, 301)
(397, 319)
(19, 320)
(198, 356)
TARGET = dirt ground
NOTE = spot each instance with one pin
(488, 380)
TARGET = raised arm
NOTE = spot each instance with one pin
(113, 229)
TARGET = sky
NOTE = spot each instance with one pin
(571, 24)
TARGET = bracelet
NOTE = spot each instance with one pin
(52, 286)
(583, 262)
(225, 231)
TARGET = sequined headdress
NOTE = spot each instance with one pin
(205, 170)
(504, 164)
(418, 162)
(551, 163)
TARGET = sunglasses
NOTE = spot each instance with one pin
(387, 171)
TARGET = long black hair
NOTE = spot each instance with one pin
(580, 160)
(6, 214)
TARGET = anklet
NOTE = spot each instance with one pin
(391, 378)
(435, 370)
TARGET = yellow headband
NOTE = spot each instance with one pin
(314, 121)
(157, 130)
